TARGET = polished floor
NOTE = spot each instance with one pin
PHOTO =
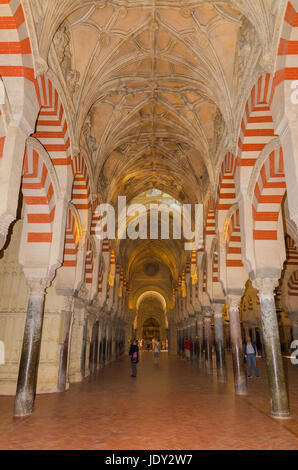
(170, 405)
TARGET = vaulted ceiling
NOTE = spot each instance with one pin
(156, 89)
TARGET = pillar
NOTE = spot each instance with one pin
(193, 342)
(274, 362)
(64, 347)
(26, 385)
(200, 342)
(208, 344)
(219, 344)
(93, 349)
(103, 346)
(237, 345)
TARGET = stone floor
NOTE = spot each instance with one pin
(170, 405)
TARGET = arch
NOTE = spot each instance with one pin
(52, 127)
(226, 190)
(293, 285)
(151, 293)
(287, 55)
(39, 197)
(73, 234)
(89, 262)
(81, 189)
(16, 64)
(234, 250)
(269, 191)
(257, 127)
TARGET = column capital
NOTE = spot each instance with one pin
(265, 286)
(5, 221)
(234, 301)
(217, 308)
(38, 286)
(207, 312)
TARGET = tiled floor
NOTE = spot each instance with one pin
(170, 405)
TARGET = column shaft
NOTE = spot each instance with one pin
(208, 345)
(237, 349)
(27, 379)
(63, 362)
(220, 349)
(200, 344)
(274, 361)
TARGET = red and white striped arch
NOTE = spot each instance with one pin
(268, 194)
(16, 63)
(287, 56)
(39, 198)
(89, 263)
(292, 253)
(15, 48)
(215, 267)
(226, 191)
(52, 127)
(234, 250)
(72, 237)
(81, 192)
(293, 286)
(100, 277)
(257, 123)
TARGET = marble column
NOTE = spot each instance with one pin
(219, 344)
(93, 348)
(237, 346)
(64, 347)
(208, 344)
(193, 342)
(274, 361)
(200, 342)
(27, 379)
(103, 346)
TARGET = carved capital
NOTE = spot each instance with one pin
(207, 312)
(38, 286)
(5, 221)
(265, 286)
(234, 301)
(217, 308)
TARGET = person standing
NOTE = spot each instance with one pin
(134, 357)
(187, 348)
(156, 348)
(251, 352)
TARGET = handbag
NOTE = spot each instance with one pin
(134, 357)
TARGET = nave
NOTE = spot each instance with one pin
(170, 405)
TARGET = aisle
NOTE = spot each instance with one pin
(170, 405)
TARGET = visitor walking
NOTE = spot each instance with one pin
(251, 352)
(134, 357)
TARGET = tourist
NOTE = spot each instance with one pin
(187, 348)
(251, 352)
(134, 359)
(156, 348)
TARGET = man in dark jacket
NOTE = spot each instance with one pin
(250, 350)
(134, 357)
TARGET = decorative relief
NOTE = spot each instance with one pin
(246, 42)
(265, 287)
(61, 42)
(90, 140)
